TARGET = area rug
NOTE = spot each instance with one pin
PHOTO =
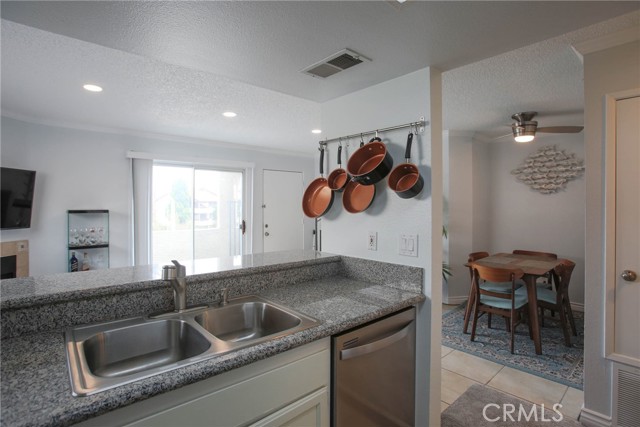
(557, 363)
(482, 406)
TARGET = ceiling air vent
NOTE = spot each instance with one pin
(335, 63)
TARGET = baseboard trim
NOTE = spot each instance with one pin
(591, 418)
(577, 307)
(455, 300)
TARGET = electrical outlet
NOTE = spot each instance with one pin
(373, 241)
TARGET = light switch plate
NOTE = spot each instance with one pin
(408, 245)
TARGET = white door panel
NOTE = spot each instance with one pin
(627, 292)
(282, 211)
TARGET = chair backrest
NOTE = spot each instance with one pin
(474, 256)
(492, 274)
(562, 274)
(535, 253)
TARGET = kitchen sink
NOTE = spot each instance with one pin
(246, 321)
(106, 355)
(129, 350)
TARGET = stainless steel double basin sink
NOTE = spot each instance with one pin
(106, 355)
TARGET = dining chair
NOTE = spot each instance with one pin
(558, 300)
(506, 304)
(490, 286)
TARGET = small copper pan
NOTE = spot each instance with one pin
(318, 197)
(405, 178)
(339, 177)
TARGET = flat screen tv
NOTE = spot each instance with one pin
(16, 197)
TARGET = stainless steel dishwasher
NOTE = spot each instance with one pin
(373, 380)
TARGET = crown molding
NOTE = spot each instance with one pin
(605, 42)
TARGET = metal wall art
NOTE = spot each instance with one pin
(548, 170)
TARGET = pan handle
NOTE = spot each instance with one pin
(321, 161)
(339, 156)
(407, 152)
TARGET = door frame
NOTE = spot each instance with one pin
(610, 274)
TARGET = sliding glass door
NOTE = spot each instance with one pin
(197, 213)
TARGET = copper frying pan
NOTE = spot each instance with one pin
(357, 197)
(339, 177)
(318, 197)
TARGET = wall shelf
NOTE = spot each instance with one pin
(88, 239)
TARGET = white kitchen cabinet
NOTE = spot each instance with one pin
(310, 411)
(289, 389)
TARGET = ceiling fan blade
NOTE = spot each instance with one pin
(503, 136)
(561, 129)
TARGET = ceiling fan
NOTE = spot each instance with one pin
(524, 128)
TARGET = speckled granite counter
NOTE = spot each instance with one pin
(34, 379)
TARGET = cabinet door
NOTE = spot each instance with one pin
(251, 399)
(310, 411)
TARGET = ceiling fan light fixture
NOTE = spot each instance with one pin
(524, 138)
(525, 132)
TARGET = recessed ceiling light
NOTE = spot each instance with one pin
(229, 114)
(92, 88)
(316, 131)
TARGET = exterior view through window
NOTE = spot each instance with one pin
(196, 213)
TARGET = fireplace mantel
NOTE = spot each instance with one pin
(19, 249)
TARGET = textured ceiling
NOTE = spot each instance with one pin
(546, 77)
(173, 67)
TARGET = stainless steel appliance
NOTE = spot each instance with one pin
(373, 380)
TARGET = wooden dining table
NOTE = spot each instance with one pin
(533, 267)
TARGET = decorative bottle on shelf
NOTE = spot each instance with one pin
(85, 262)
(73, 262)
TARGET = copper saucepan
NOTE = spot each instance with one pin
(318, 197)
(339, 177)
(405, 179)
(370, 163)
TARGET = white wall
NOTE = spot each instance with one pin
(606, 71)
(80, 169)
(489, 210)
(459, 212)
(525, 219)
(398, 101)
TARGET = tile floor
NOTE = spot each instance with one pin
(460, 370)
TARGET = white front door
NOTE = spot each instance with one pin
(627, 258)
(282, 227)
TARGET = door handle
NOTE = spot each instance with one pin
(629, 276)
(243, 227)
(376, 345)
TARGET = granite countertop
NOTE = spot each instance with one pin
(35, 385)
(29, 291)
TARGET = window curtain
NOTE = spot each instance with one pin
(141, 179)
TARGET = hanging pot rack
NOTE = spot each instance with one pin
(418, 125)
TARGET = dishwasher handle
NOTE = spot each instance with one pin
(376, 345)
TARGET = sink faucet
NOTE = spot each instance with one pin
(177, 275)
(224, 296)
